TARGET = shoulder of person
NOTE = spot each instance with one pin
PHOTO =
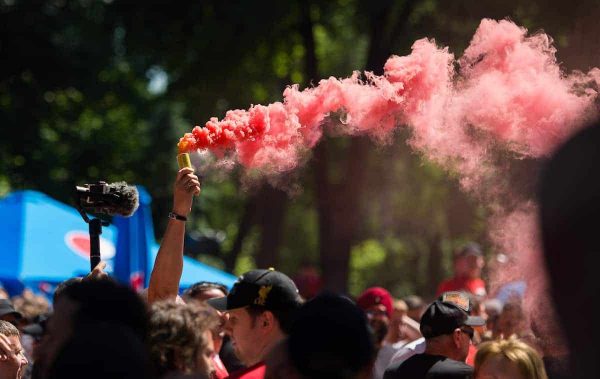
(455, 369)
(420, 362)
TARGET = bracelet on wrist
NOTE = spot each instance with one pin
(175, 216)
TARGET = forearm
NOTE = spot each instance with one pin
(168, 266)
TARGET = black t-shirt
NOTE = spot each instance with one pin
(429, 366)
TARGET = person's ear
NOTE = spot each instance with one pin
(267, 320)
(456, 337)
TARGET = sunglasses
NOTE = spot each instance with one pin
(468, 331)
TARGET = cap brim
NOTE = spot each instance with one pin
(14, 313)
(219, 303)
(474, 321)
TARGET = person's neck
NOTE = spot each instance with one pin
(392, 337)
(270, 341)
(441, 349)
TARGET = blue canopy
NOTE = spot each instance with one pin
(194, 271)
(44, 240)
(136, 235)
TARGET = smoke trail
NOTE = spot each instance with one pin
(506, 103)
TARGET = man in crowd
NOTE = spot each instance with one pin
(388, 323)
(468, 263)
(260, 307)
(447, 329)
(12, 355)
(376, 302)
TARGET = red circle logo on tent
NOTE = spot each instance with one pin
(79, 243)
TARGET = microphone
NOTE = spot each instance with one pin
(108, 198)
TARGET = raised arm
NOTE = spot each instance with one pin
(164, 280)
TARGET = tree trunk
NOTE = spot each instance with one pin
(272, 206)
(245, 225)
(338, 204)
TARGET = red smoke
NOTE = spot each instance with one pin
(509, 90)
(509, 95)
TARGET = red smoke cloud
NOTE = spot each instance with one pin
(508, 90)
(508, 96)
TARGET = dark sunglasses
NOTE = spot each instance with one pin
(468, 331)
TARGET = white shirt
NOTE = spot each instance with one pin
(384, 356)
(413, 348)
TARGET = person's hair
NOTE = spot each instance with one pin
(284, 316)
(30, 305)
(331, 338)
(62, 285)
(7, 329)
(177, 334)
(413, 302)
(400, 305)
(102, 350)
(104, 300)
(522, 355)
(199, 287)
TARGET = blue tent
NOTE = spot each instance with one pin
(194, 271)
(44, 240)
(136, 234)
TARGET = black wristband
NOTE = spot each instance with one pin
(175, 216)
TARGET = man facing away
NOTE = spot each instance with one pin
(260, 308)
(448, 329)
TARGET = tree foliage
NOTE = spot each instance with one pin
(94, 90)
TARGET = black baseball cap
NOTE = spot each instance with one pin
(266, 288)
(6, 308)
(446, 314)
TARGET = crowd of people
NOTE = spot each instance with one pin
(264, 328)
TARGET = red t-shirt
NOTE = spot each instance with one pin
(220, 370)
(475, 286)
(471, 356)
(256, 371)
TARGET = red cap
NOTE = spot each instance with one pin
(375, 296)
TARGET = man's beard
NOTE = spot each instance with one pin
(380, 329)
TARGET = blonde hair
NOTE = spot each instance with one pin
(524, 356)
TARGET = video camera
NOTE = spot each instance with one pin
(107, 199)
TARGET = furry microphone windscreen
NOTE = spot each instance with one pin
(128, 199)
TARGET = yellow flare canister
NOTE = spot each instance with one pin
(183, 160)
